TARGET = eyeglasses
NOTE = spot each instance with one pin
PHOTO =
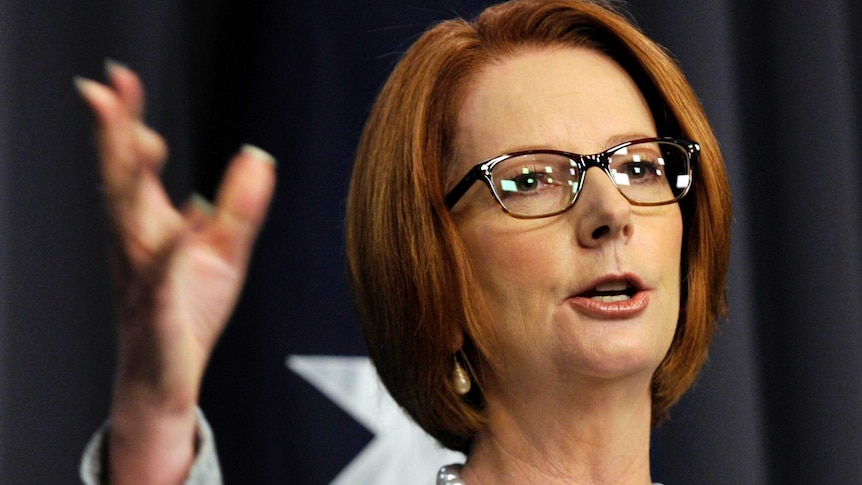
(542, 183)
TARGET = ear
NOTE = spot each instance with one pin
(457, 342)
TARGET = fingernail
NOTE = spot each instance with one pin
(259, 154)
(202, 203)
(83, 85)
(112, 65)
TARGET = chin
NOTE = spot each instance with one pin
(624, 367)
(623, 359)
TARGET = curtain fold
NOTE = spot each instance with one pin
(801, 116)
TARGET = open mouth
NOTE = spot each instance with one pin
(613, 297)
(612, 291)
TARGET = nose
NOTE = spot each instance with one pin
(601, 212)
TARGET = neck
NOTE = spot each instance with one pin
(599, 436)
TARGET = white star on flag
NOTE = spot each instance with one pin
(400, 451)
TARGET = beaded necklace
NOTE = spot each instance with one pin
(450, 475)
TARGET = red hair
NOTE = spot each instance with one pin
(409, 274)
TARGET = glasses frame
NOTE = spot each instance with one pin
(482, 171)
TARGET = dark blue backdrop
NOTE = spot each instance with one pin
(779, 402)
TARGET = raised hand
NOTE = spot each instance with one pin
(179, 273)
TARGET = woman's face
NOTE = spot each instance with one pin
(540, 277)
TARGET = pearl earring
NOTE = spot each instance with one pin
(460, 379)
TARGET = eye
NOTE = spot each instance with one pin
(643, 167)
(527, 181)
(640, 169)
(533, 173)
(535, 183)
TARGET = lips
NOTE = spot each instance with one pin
(612, 291)
(613, 297)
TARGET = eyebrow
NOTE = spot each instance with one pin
(616, 140)
(610, 142)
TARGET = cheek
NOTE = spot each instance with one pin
(498, 266)
(674, 241)
(661, 238)
(659, 235)
(510, 264)
(668, 247)
(507, 252)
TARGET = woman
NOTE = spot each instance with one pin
(536, 314)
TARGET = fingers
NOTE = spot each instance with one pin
(130, 156)
(127, 147)
(242, 202)
(197, 212)
(127, 86)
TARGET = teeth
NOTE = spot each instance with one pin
(611, 298)
(613, 286)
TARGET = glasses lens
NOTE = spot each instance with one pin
(536, 184)
(651, 172)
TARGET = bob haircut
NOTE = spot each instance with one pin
(410, 277)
